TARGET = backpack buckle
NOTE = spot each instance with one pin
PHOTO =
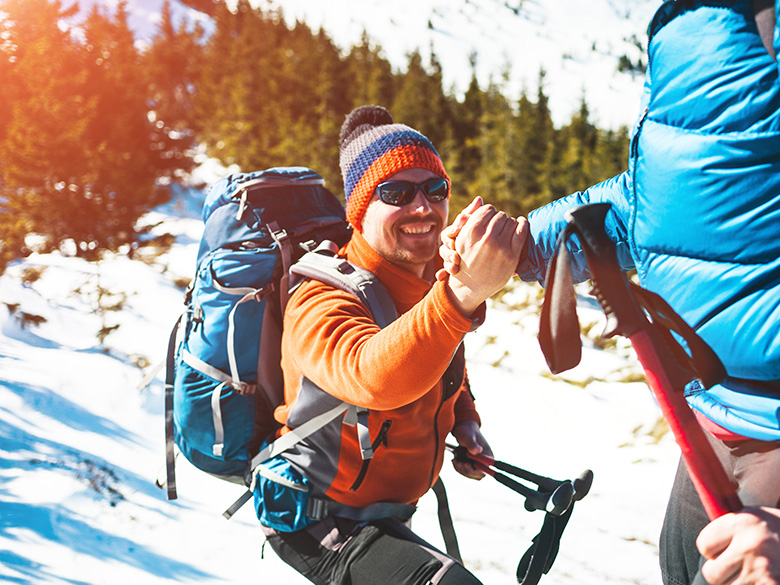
(278, 234)
(308, 245)
(262, 293)
(244, 388)
(317, 509)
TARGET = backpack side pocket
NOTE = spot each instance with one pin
(281, 496)
(213, 422)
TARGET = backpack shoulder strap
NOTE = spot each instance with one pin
(324, 266)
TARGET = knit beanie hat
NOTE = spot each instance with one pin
(373, 148)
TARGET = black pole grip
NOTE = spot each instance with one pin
(610, 285)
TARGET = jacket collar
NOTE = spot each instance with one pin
(407, 289)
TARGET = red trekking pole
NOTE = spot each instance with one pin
(648, 322)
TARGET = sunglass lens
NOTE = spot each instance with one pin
(437, 189)
(395, 192)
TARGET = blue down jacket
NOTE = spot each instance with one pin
(697, 213)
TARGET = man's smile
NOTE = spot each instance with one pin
(417, 229)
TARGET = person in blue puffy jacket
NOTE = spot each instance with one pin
(697, 214)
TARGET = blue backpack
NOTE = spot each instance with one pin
(264, 231)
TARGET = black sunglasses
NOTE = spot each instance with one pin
(399, 193)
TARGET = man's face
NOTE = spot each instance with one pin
(409, 235)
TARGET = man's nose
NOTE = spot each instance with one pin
(420, 201)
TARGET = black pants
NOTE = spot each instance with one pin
(336, 551)
(753, 466)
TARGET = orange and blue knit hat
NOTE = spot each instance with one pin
(373, 148)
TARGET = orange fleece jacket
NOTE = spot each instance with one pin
(330, 338)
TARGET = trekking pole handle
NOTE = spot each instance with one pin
(545, 483)
(610, 284)
(581, 485)
(552, 496)
(555, 502)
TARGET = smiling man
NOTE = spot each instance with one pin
(409, 378)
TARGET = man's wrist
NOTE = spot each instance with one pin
(462, 297)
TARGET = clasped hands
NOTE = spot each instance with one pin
(480, 250)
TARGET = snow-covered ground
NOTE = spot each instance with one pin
(80, 445)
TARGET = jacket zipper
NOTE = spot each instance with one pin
(634, 156)
(635, 141)
(380, 439)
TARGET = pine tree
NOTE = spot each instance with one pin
(495, 180)
(241, 96)
(44, 125)
(417, 101)
(611, 157)
(171, 66)
(124, 156)
(579, 140)
(540, 151)
(208, 7)
(78, 160)
(532, 148)
(219, 80)
(465, 156)
(369, 76)
(328, 105)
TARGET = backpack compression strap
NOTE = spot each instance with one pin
(170, 448)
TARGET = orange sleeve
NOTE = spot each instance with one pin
(380, 369)
(465, 409)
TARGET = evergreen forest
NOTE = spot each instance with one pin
(95, 127)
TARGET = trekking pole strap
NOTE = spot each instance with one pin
(540, 556)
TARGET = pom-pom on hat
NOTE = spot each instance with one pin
(373, 148)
